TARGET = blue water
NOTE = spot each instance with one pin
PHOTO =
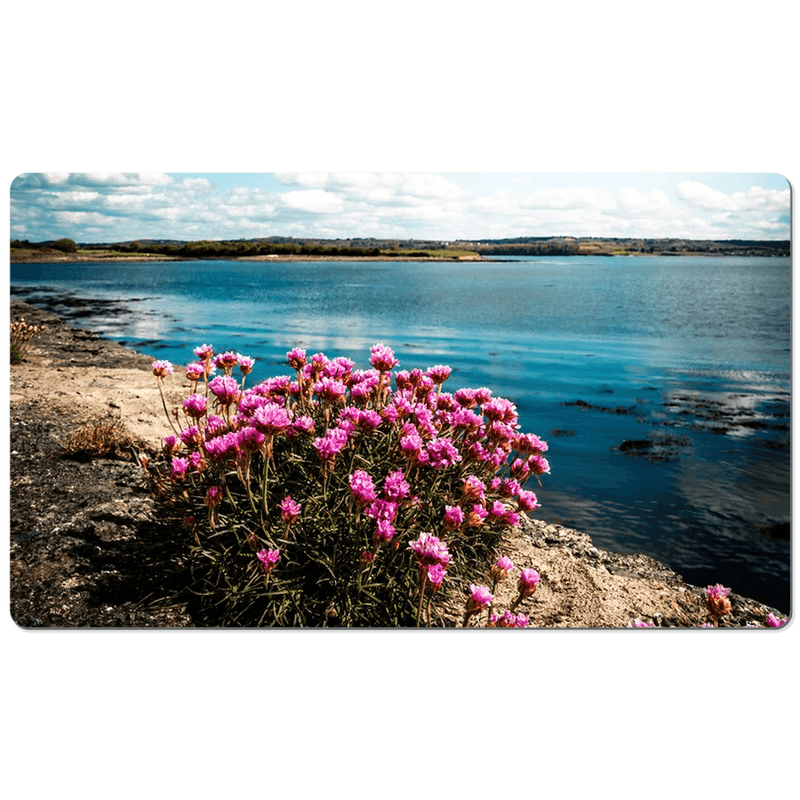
(695, 351)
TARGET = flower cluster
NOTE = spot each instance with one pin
(339, 470)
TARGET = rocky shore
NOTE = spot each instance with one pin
(87, 548)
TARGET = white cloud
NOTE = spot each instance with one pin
(313, 201)
(386, 205)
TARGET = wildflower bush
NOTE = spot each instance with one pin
(338, 496)
(21, 333)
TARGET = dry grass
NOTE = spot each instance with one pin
(101, 439)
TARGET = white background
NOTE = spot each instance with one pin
(439, 86)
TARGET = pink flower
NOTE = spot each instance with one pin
(717, 600)
(362, 487)
(476, 517)
(190, 435)
(330, 390)
(439, 374)
(527, 443)
(213, 496)
(774, 622)
(195, 371)
(384, 531)
(527, 501)
(161, 369)
(510, 620)
(528, 580)
(480, 597)
(453, 518)
(395, 486)
(442, 453)
(179, 467)
(303, 425)
(297, 358)
(225, 389)
(539, 465)
(290, 510)
(268, 559)
(331, 444)
(497, 509)
(250, 439)
(195, 405)
(637, 623)
(382, 358)
(381, 510)
(472, 489)
(429, 549)
(171, 444)
(245, 364)
(205, 352)
(436, 574)
(226, 360)
(271, 419)
(502, 568)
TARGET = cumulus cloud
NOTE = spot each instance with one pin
(116, 206)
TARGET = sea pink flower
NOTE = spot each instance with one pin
(476, 517)
(191, 435)
(161, 369)
(303, 425)
(527, 501)
(290, 510)
(195, 405)
(497, 509)
(775, 622)
(171, 444)
(331, 444)
(362, 487)
(539, 465)
(465, 398)
(528, 580)
(179, 467)
(439, 374)
(382, 358)
(395, 486)
(717, 600)
(442, 453)
(268, 559)
(527, 443)
(436, 574)
(195, 371)
(511, 518)
(473, 489)
(381, 510)
(501, 570)
(330, 390)
(297, 358)
(213, 496)
(271, 419)
(205, 352)
(453, 518)
(245, 364)
(250, 439)
(225, 389)
(384, 531)
(480, 597)
(429, 549)
(637, 623)
(226, 361)
(511, 620)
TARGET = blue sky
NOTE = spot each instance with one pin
(110, 206)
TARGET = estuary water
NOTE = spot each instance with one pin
(661, 384)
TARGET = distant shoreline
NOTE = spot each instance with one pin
(69, 258)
